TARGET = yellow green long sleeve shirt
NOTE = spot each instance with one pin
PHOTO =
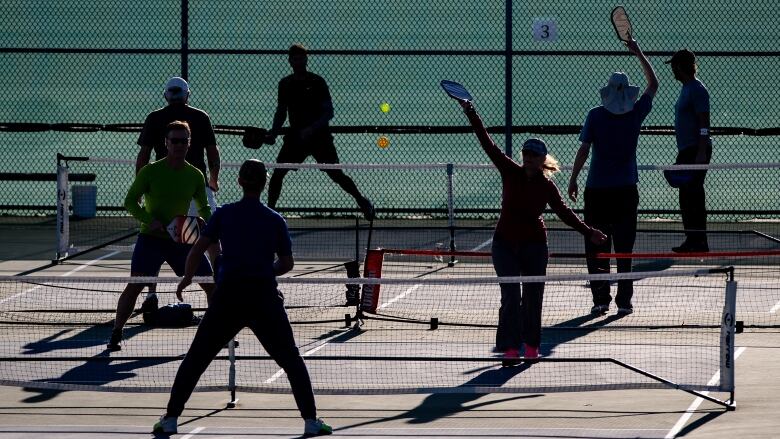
(166, 192)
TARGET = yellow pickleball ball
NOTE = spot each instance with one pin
(384, 107)
(383, 142)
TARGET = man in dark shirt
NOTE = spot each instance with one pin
(305, 97)
(246, 296)
(692, 130)
(177, 94)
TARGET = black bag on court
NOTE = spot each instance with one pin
(173, 315)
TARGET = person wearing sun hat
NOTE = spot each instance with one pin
(692, 131)
(611, 130)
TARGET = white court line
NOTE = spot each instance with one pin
(193, 432)
(774, 308)
(414, 287)
(481, 246)
(697, 402)
(410, 290)
(75, 270)
(280, 372)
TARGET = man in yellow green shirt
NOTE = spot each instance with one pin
(167, 187)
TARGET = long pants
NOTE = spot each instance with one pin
(237, 304)
(693, 207)
(614, 212)
(520, 315)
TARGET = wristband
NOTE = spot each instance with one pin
(704, 131)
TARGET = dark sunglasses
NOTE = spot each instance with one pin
(178, 140)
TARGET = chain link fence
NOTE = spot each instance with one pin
(80, 77)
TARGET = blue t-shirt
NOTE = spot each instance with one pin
(251, 235)
(694, 98)
(614, 140)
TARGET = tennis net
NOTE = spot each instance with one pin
(429, 334)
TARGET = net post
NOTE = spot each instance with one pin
(451, 210)
(727, 334)
(232, 373)
(63, 226)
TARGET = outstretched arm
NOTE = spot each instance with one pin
(579, 162)
(499, 159)
(192, 263)
(647, 68)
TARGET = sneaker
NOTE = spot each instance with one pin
(599, 309)
(150, 303)
(623, 311)
(510, 357)
(367, 208)
(531, 352)
(166, 424)
(113, 342)
(316, 427)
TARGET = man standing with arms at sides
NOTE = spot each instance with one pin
(167, 187)
(305, 97)
(692, 129)
(611, 195)
(256, 248)
(177, 94)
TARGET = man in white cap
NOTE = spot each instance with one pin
(692, 130)
(177, 93)
(611, 196)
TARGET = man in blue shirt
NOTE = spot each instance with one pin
(611, 196)
(252, 235)
(692, 129)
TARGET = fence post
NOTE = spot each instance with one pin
(185, 39)
(508, 80)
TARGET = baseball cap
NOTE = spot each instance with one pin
(682, 57)
(253, 172)
(537, 146)
(176, 88)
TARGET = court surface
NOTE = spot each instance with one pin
(647, 413)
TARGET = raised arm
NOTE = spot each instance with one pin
(647, 68)
(499, 159)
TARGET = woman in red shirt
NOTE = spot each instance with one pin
(520, 239)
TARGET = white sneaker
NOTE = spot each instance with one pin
(166, 424)
(316, 427)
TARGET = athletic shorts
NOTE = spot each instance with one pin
(319, 146)
(150, 252)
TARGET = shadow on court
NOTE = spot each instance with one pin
(93, 373)
(97, 371)
(442, 405)
(96, 335)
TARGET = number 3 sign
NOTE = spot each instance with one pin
(545, 29)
